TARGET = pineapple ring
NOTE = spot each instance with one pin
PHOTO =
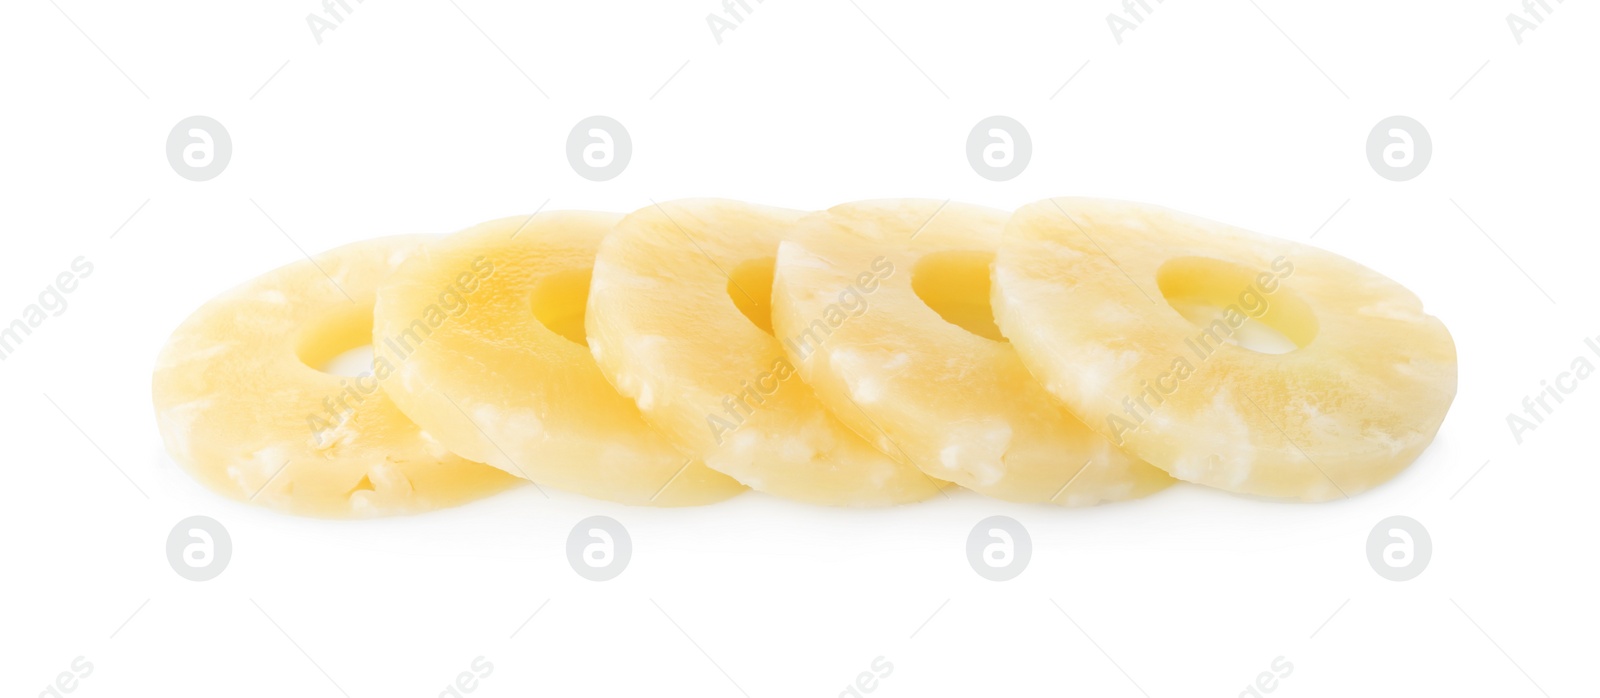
(936, 383)
(1078, 286)
(678, 321)
(498, 372)
(241, 409)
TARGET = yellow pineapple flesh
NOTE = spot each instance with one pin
(485, 332)
(885, 309)
(1106, 303)
(679, 320)
(242, 410)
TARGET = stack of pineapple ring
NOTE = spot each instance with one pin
(1072, 352)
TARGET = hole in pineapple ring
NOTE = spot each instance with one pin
(750, 287)
(560, 301)
(1250, 309)
(955, 284)
(339, 343)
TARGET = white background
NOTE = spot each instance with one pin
(407, 118)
